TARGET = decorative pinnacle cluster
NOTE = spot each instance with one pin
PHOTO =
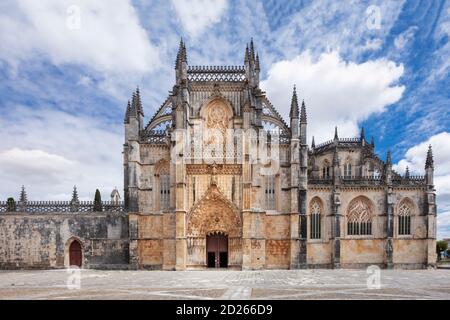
(430, 161)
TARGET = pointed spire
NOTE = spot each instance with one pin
(127, 111)
(75, 195)
(184, 53)
(252, 49)
(247, 54)
(430, 161)
(23, 196)
(407, 172)
(363, 135)
(294, 113)
(336, 137)
(313, 144)
(139, 108)
(133, 103)
(303, 113)
(257, 63)
(181, 54)
(372, 142)
(388, 158)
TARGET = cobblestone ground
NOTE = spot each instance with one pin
(293, 284)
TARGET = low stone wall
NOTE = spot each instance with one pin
(41, 241)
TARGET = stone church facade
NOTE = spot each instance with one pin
(217, 179)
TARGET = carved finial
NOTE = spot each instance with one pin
(179, 53)
(75, 195)
(214, 174)
(139, 108)
(294, 113)
(257, 63)
(363, 135)
(372, 142)
(252, 49)
(247, 54)
(388, 158)
(313, 144)
(407, 172)
(23, 196)
(336, 137)
(127, 112)
(430, 161)
(303, 113)
(133, 104)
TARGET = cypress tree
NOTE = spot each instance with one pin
(98, 201)
(11, 205)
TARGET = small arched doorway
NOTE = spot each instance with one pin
(217, 250)
(75, 254)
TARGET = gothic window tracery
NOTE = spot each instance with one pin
(315, 209)
(404, 217)
(359, 217)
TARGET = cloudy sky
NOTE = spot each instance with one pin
(67, 69)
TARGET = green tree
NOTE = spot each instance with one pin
(98, 201)
(10, 205)
(441, 246)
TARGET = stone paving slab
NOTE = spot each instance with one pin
(229, 285)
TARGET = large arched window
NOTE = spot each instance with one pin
(359, 217)
(404, 217)
(315, 210)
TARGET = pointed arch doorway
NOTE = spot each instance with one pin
(75, 254)
(217, 250)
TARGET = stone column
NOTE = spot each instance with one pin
(390, 228)
(133, 246)
(336, 229)
(389, 213)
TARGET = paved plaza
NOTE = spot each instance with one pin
(225, 284)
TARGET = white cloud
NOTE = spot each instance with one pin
(336, 92)
(106, 37)
(415, 159)
(36, 165)
(329, 24)
(197, 15)
(50, 151)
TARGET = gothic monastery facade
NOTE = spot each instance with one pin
(218, 179)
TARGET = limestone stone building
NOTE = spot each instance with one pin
(218, 179)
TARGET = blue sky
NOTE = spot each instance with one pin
(67, 71)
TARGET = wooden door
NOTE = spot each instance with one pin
(75, 254)
(217, 251)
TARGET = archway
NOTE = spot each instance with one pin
(75, 254)
(217, 250)
(214, 226)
